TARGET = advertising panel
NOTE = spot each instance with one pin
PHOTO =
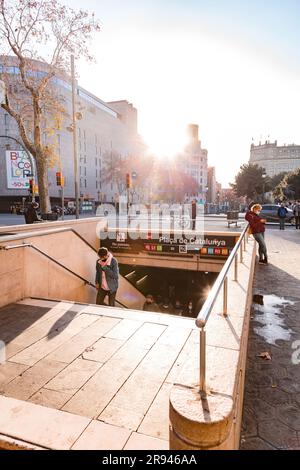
(18, 169)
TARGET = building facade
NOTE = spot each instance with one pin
(275, 159)
(212, 185)
(195, 163)
(103, 131)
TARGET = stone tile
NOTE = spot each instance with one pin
(76, 345)
(144, 383)
(9, 371)
(74, 376)
(102, 436)
(255, 443)
(274, 396)
(142, 442)
(42, 426)
(289, 414)
(102, 350)
(276, 433)
(34, 378)
(249, 424)
(50, 398)
(91, 399)
(124, 329)
(55, 338)
(156, 420)
(123, 418)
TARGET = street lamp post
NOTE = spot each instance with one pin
(74, 128)
(264, 174)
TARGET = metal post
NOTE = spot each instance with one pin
(62, 202)
(74, 127)
(236, 267)
(225, 296)
(202, 360)
(244, 240)
(241, 252)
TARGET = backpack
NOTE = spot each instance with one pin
(282, 212)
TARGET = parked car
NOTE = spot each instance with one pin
(269, 212)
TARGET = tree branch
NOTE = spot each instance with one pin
(28, 144)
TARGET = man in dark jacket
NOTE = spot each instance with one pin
(257, 226)
(31, 214)
(107, 277)
(282, 212)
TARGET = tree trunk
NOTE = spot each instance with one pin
(42, 177)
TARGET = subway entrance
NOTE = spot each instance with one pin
(173, 291)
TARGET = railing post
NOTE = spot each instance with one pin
(225, 296)
(202, 360)
(244, 240)
(236, 267)
(241, 252)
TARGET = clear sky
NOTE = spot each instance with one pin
(231, 66)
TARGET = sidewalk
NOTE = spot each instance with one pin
(271, 416)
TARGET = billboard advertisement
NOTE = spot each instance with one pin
(18, 169)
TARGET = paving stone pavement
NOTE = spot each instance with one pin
(271, 414)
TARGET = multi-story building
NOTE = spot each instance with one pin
(211, 185)
(195, 163)
(275, 159)
(104, 131)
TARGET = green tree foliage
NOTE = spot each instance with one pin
(289, 187)
(250, 182)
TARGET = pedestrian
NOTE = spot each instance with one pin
(297, 214)
(107, 277)
(150, 305)
(194, 213)
(189, 310)
(178, 310)
(282, 213)
(257, 226)
(166, 306)
(30, 213)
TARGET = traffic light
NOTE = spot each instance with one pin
(31, 185)
(58, 178)
(128, 180)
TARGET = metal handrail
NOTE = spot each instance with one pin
(31, 245)
(222, 280)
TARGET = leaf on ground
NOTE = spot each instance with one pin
(89, 349)
(265, 355)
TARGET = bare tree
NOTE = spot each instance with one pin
(36, 41)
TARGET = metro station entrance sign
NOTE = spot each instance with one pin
(205, 246)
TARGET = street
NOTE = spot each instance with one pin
(212, 222)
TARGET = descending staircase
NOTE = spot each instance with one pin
(73, 371)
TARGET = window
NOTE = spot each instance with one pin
(85, 171)
(85, 183)
(96, 173)
(96, 161)
(96, 184)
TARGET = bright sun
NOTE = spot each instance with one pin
(164, 140)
